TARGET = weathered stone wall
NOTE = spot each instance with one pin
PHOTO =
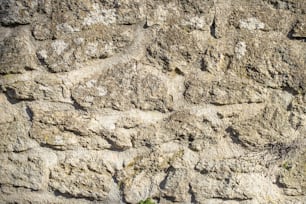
(181, 101)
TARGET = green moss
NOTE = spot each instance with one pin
(147, 201)
(286, 165)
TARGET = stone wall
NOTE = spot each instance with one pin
(180, 101)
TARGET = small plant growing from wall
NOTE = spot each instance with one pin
(147, 201)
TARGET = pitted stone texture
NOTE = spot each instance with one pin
(257, 132)
(27, 170)
(225, 91)
(125, 87)
(17, 53)
(178, 101)
(14, 128)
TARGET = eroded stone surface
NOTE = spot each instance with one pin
(178, 101)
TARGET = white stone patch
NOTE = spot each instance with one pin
(6, 110)
(91, 83)
(251, 24)
(161, 14)
(91, 49)
(78, 41)
(49, 157)
(159, 17)
(197, 22)
(209, 112)
(176, 88)
(98, 15)
(170, 147)
(58, 140)
(240, 49)
(286, 98)
(109, 121)
(190, 157)
(109, 47)
(44, 88)
(106, 122)
(141, 188)
(102, 91)
(42, 54)
(66, 28)
(257, 185)
(116, 160)
(89, 99)
(146, 116)
(283, 98)
(59, 46)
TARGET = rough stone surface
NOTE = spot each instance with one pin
(180, 101)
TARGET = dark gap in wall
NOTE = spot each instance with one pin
(213, 28)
